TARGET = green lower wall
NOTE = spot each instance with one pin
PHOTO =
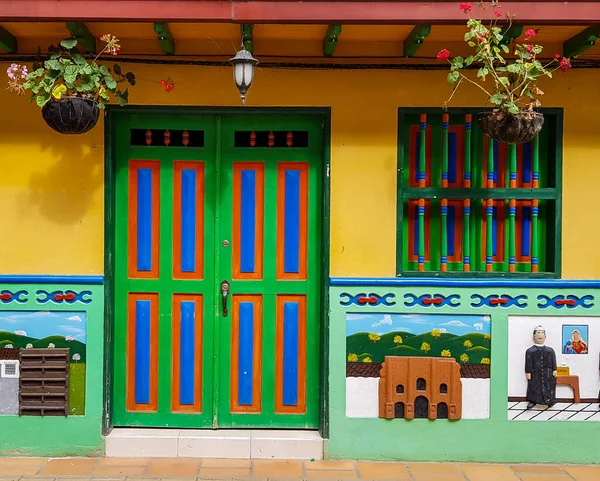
(61, 436)
(479, 440)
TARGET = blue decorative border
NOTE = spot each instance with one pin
(478, 283)
(41, 279)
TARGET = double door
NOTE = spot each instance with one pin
(217, 280)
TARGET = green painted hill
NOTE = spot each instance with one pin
(20, 342)
(360, 345)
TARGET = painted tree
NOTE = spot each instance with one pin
(352, 358)
(374, 337)
(446, 353)
(8, 346)
(485, 360)
(29, 346)
(76, 357)
(69, 338)
(468, 344)
(51, 345)
(436, 333)
(464, 358)
(398, 339)
(426, 347)
(367, 359)
(487, 337)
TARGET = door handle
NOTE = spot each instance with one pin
(225, 286)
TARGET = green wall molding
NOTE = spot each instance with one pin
(60, 436)
(480, 440)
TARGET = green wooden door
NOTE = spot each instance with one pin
(210, 205)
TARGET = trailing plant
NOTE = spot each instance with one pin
(510, 84)
(67, 73)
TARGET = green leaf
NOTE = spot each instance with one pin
(549, 74)
(87, 83)
(35, 74)
(68, 43)
(29, 84)
(505, 48)
(79, 59)
(86, 70)
(117, 69)
(500, 69)
(469, 60)
(504, 80)
(453, 77)
(471, 44)
(103, 70)
(483, 71)
(35, 89)
(52, 64)
(513, 109)
(43, 99)
(122, 97)
(496, 99)
(513, 68)
(111, 83)
(66, 61)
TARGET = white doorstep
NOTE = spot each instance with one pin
(233, 444)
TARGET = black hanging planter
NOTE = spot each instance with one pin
(72, 115)
(511, 128)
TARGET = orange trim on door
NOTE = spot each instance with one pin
(198, 220)
(300, 407)
(133, 271)
(176, 405)
(256, 343)
(152, 406)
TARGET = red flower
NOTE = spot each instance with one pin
(530, 33)
(466, 7)
(529, 48)
(443, 54)
(498, 13)
(557, 55)
(565, 64)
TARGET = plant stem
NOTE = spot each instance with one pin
(475, 83)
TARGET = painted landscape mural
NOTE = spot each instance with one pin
(371, 337)
(51, 330)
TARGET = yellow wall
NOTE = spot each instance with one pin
(51, 186)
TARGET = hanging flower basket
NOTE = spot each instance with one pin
(511, 128)
(71, 115)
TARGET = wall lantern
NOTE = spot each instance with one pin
(243, 71)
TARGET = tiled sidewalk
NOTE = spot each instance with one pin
(117, 469)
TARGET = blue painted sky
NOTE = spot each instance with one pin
(416, 323)
(40, 324)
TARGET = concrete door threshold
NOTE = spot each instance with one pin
(231, 444)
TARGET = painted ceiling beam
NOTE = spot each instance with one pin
(514, 31)
(241, 11)
(581, 42)
(247, 40)
(8, 41)
(167, 42)
(415, 39)
(331, 39)
(85, 38)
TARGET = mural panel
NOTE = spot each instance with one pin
(553, 368)
(417, 365)
(42, 362)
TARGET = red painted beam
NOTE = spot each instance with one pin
(371, 12)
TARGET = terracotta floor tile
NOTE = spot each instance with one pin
(446, 468)
(277, 469)
(226, 463)
(397, 471)
(18, 470)
(545, 477)
(174, 479)
(583, 473)
(438, 477)
(119, 471)
(332, 465)
(124, 462)
(22, 461)
(69, 466)
(327, 474)
(225, 473)
(488, 472)
(173, 467)
(537, 469)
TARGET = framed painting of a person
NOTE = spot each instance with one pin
(540, 371)
(575, 340)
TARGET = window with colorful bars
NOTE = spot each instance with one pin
(470, 206)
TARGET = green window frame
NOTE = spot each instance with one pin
(471, 207)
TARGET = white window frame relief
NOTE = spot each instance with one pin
(3, 373)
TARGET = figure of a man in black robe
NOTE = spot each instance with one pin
(540, 370)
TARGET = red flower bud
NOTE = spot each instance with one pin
(498, 13)
(466, 7)
(565, 64)
(443, 54)
(557, 55)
